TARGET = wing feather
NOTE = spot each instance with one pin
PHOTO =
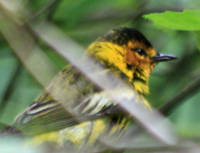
(68, 100)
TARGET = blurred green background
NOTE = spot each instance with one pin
(86, 20)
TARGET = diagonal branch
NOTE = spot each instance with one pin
(177, 100)
(50, 8)
(9, 89)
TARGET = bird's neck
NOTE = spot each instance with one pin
(112, 57)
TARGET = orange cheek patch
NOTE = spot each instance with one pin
(131, 58)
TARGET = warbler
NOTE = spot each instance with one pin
(124, 52)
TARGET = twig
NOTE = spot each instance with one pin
(51, 6)
(9, 89)
(184, 94)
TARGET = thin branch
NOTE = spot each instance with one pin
(50, 7)
(177, 100)
(9, 89)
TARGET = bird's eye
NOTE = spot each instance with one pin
(141, 52)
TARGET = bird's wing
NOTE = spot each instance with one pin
(67, 101)
(51, 116)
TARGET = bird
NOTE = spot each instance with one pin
(91, 113)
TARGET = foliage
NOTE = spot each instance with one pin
(188, 20)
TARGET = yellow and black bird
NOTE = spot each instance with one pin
(127, 54)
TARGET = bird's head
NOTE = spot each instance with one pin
(127, 50)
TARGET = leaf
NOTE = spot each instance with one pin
(188, 20)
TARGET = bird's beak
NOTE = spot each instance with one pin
(163, 57)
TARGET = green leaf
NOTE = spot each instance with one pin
(188, 20)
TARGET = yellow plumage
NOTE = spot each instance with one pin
(75, 113)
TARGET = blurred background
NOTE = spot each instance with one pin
(84, 21)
